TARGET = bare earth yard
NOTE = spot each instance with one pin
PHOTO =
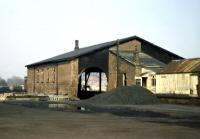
(17, 122)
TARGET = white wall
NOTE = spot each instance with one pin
(184, 83)
(149, 75)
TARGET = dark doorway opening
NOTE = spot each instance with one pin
(198, 86)
(144, 81)
(92, 81)
(124, 79)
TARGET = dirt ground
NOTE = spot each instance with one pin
(17, 122)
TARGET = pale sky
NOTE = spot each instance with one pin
(33, 30)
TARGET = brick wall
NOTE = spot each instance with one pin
(60, 78)
(125, 69)
(30, 80)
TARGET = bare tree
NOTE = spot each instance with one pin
(15, 81)
(3, 82)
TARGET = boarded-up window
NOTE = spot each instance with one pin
(53, 74)
(42, 75)
(47, 75)
(37, 76)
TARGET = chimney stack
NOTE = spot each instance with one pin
(76, 45)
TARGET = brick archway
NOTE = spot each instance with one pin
(92, 81)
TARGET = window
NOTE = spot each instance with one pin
(47, 77)
(153, 82)
(42, 75)
(53, 75)
(37, 76)
(138, 81)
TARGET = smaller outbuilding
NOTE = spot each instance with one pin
(180, 77)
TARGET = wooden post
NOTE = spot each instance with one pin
(100, 81)
(85, 81)
(117, 63)
(198, 86)
(80, 83)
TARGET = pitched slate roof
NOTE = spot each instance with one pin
(84, 51)
(182, 66)
(124, 59)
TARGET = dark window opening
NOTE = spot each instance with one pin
(124, 79)
(144, 81)
(138, 82)
(153, 81)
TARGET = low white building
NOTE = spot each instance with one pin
(180, 77)
(146, 77)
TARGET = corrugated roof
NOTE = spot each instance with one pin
(182, 66)
(83, 51)
(148, 61)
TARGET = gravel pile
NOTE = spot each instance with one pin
(125, 95)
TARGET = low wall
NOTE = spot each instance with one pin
(185, 100)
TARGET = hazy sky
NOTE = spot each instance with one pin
(33, 30)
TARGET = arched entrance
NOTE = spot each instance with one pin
(92, 81)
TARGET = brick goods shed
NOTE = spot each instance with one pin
(126, 61)
(180, 77)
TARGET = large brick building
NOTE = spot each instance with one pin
(126, 61)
